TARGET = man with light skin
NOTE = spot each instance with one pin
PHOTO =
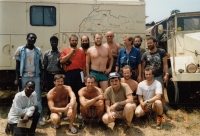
(118, 100)
(137, 43)
(58, 103)
(85, 43)
(129, 56)
(126, 72)
(96, 59)
(91, 100)
(157, 59)
(113, 47)
(149, 95)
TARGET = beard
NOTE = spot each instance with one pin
(97, 44)
(151, 47)
(137, 45)
(85, 45)
(73, 44)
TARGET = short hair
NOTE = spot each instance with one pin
(30, 81)
(148, 68)
(127, 67)
(138, 36)
(98, 34)
(89, 76)
(54, 38)
(130, 38)
(73, 35)
(58, 76)
(31, 34)
(86, 36)
(152, 38)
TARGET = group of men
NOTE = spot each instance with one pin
(101, 65)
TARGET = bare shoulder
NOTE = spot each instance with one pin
(99, 89)
(81, 91)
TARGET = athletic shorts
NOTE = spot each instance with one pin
(99, 76)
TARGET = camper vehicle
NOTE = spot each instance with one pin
(62, 18)
(181, 35)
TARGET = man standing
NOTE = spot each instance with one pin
(98, 56)
(91, 100)
(149, 94)
(85, 43)
(24, 107)
(157, 59)
(137, 43)
(129, 56)
(51, 65)
(113, 47)
(28, 65)
(73, 59)
(118, 100)
(58, 103)
(126, 72)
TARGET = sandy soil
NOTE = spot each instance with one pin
(180, 122)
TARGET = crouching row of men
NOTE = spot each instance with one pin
(119, 101)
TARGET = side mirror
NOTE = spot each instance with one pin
(160, 29)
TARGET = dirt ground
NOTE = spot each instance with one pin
(184, 122)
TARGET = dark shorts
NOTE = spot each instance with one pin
(99, 76)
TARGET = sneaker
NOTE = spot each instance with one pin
(65, 118)
(79, 116)
(42, 123)
(159, 123)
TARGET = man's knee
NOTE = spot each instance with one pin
(36, 115)
(105, 119)
(55, 118)
(158, 103)
(138, 112)
(129, 107)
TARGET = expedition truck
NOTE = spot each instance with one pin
(62, 18)
(179, 35)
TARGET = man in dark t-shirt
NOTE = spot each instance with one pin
(157, 59)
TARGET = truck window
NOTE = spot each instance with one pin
(42, 16)
(188, 23)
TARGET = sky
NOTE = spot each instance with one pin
(160, 9)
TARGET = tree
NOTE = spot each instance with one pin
(175, 11)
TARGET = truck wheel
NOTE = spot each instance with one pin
(172, 92)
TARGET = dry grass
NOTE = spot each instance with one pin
(180, 125)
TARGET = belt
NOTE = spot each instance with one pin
(100, 72)
(56, 72)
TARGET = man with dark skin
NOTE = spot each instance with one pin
(24, 107)
(51, 66)
(58, 103)
(28, 65)
(91, 100)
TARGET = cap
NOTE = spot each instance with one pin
(113, 75)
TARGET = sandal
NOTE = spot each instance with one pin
(73, 130)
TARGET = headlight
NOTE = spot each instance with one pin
(191, 68)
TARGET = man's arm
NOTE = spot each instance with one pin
(51, 105)
(17, 72)
(165, 68)
(139, 78)
(87, 66)
(72, 97)
(87, 103)
(110, 57)
(142, 69)
(66, 57)
(153, 99)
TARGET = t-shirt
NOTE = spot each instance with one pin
(154, 60)
(29, 63)
(149, 92)
(121, 95)
(78, 59)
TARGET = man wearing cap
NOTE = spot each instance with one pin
(118, 100)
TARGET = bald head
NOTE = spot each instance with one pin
(109, 36)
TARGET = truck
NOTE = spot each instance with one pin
(179, 35)
(62, 18)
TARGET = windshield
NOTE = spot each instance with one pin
(188, 23)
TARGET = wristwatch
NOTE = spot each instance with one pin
(119, 103)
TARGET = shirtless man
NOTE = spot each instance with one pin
(113, 46)
(98, 57)
(91, 100)
(58, 102)
(126, 72)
